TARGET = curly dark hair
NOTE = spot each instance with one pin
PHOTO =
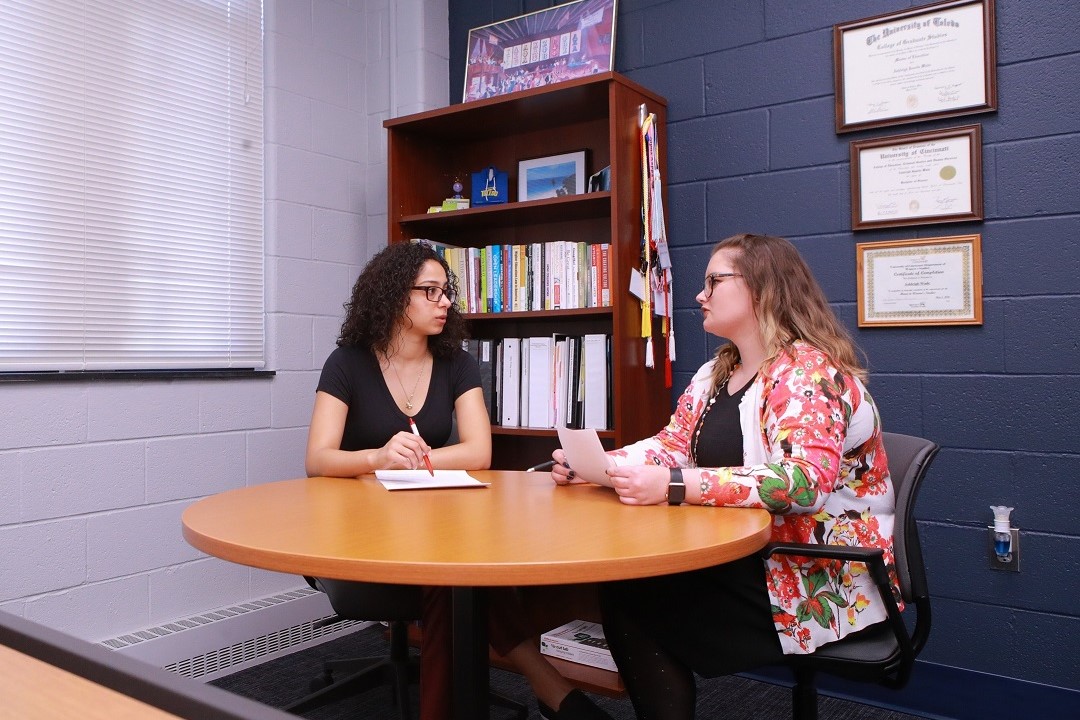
(381, 294)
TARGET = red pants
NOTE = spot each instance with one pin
(505, 632)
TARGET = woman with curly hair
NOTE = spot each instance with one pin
(779, 419)
(399, 357)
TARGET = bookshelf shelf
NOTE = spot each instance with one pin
(541, 432)
(427, 151)
(561, 209)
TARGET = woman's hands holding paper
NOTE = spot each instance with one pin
(581, 458)
(640, 484)
(561, 472)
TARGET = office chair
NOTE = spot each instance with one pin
(883, 653)
(396, 604)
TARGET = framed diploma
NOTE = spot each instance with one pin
(916, 179)
(937, 281)
(927, 62)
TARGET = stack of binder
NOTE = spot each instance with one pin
(546, 381)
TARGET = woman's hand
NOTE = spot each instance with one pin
(640, 484)
(404, 450)
(561, 472)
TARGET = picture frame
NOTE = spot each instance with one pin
(549, 46)
(918, 178)
(552, 176)
(932, 61)
(932, 281)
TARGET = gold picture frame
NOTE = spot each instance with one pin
(933, 281)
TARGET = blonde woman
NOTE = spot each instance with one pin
(780, 419)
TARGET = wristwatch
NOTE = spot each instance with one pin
(676, 491)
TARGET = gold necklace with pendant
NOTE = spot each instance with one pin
(408, 395)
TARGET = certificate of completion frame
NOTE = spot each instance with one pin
(936, 281)
(919, 178)
(933, 61)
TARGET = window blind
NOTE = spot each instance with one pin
(131, 185)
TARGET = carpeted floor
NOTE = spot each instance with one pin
(281, 681)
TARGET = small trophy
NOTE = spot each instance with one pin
(457, 201)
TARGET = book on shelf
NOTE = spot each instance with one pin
(482, 350)
(496, 383)
(561, 375)
(510, 392)
(526, 379)
(581, 642)
(557, 275)
(594, 374)
(576, 395)
(539, 388)
(605, 274)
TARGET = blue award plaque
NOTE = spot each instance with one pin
(489, 187)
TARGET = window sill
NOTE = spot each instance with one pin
(56, 376)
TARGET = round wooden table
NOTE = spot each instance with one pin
(521, 530)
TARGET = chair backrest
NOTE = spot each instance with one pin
(909, 459)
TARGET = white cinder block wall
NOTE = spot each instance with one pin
(94, 476)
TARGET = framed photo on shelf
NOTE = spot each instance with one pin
(567, 41)
(932, 61)
(936, 281)
(552, 176)
(916, 179)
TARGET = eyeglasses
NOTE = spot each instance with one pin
(435, 293)
(714, 279)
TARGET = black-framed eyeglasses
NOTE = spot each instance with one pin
(434, 293)
(714, 279)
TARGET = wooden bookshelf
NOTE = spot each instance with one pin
(599, 114)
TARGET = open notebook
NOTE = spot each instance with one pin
(423, 480)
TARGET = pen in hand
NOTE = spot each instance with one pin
(427, 460)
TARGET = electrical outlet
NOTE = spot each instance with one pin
(1013, 565)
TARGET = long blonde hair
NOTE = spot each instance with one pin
(788, 303)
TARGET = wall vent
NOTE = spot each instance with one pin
(222, 641)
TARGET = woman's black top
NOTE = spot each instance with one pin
(353, 376)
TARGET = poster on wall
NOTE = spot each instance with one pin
(568, 41)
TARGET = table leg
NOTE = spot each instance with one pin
(470, 655)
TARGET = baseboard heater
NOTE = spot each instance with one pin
(223, 641)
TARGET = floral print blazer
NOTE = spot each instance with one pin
(813, 457)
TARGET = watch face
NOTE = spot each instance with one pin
(676, 493)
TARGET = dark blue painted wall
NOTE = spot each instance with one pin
(751, 147)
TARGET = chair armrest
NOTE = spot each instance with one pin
(874, 558)
(832, 552)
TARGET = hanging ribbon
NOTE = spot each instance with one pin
(646, 121)
(656, 259)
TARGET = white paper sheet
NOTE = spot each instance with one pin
(585, 455)
(422, 479)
